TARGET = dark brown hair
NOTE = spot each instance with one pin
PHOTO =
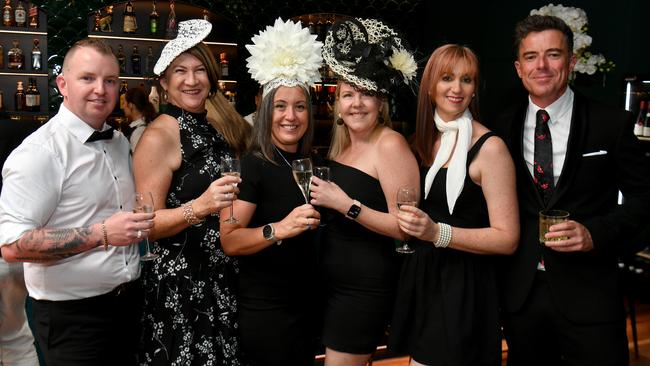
(539, 23)
(140, 101)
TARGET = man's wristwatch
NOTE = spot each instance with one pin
(354, 210)
(269, 233)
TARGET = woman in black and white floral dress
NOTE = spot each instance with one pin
(190, 313)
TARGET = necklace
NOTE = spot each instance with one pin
(283, 158)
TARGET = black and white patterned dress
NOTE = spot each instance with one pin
(190, 307)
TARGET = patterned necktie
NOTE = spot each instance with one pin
(103, 135)
(543, 164)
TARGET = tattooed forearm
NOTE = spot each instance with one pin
(46, 245)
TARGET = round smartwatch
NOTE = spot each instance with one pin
(269, 233)
(354, 210)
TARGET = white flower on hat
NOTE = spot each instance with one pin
(284, 54)
(404, 62)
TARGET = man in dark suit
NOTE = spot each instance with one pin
(561, 299)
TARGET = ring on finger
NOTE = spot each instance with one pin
(139, 234)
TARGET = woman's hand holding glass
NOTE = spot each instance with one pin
(300, 219)
(221, 193)
(330, 195)
(417, 223)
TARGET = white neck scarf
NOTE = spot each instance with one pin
(461, 128)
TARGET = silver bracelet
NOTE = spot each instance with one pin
(444, 236)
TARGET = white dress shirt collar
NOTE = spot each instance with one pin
(77, 127)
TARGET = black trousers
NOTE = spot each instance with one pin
(100, 330)
(539, 334)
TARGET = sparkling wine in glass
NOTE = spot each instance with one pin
(302, 172)
(230, 166)
(406, 196)
(144, 203)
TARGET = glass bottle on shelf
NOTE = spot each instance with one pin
(16, 57)
(154, 18)
(7, 14)
(19, 97)
(206, 16)
(149, 61)
(33, 16)
(20, 14)
(121, 58)
(154, 97)
(106, 22)
(32, 96)
(36, 56)
(171, 29)
(638, 127)
(223, 62)
(130, 22)
(2, 57)
(2, 100)
(97, 27)
(136, 61)
(124, 87)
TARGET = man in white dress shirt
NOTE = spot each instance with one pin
(65, 211)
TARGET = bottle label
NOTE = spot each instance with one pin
(6, 17)
(224, 70)
(36, 61)
(30, 100)
(129, 24)
(20, 16)
(154, 26)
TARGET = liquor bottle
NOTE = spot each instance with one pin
(640, 119)
(124, 87)
(154, 98)
(206, 16)
(20, 14)
(19, 97)
(223, 62)
(2, 57)
(121, 58)
(154, 18)
(7, 14)
(646, 123)
(36, 56)
(171, 30)
(130, 22)
(16, 57)
(97, 27)
(136, 64)
(33, 16)
(32, 97)
(149, 61)
(2, 100)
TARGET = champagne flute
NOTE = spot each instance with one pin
(322, 172)
(144, 203)
(302, 172)
(406, 196)
(230, 166)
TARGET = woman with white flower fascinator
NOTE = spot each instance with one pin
(446, 311)
(190, 315)
(369, 163)
(273, 240)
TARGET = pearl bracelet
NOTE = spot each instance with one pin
(189, 216)
(444, 236)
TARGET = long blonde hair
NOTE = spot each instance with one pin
(340, 133)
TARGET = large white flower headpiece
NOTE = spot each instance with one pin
(576, 19)
(284, 54)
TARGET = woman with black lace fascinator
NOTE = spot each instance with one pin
(274, 239)
(190, 315)
(369, 162)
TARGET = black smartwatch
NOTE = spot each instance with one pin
(269, 233)
(354, 210)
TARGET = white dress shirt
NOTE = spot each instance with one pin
(560, 112)
(55, 179)
(138, 127)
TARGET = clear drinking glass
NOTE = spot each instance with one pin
(230, 166)
(548, 218)
(406, 196)
(302, 172)
(144, 203)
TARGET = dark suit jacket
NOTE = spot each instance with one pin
(584, 285)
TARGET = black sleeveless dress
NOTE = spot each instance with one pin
(359, 268)
(446, 310)
(190, 306)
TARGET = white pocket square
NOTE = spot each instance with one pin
(595, 153)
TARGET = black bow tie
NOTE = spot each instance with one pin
(103, 135)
